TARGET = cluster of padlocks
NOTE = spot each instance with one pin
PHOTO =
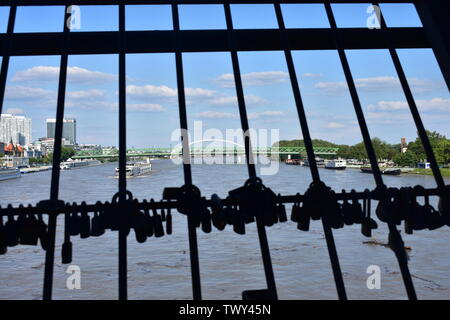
(249, 203)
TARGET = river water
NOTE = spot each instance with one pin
(229, 263)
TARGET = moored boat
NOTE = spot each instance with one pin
(293, 161)
(338, 164)
(389, 171)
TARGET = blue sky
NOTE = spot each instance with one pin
(151, 80)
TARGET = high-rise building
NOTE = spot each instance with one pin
(69, 130)
(15, 128)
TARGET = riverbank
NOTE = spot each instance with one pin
(444, 171)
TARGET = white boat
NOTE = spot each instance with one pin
(338, 164)
(320, 163)
(138, 168)
(78, 163)
(9, 173)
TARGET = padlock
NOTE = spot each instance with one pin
(421, 218)
(229, 214)
(347, 210)
(149, 225)
(444, 205)
(218, 213)
(434, 218)
(66, 252)
(281, 210)
(368, 224)
(43, 233)
(295, 213)
(3, 246)
(168, 222)
(157, 222)
(97, 225)
(334, 215)
(248, 215)
(269, 209)
(357, 212)
(11, 232)
(238, 222)
(387, 205)
(29, 229)
(138, 222)
(206, 219)
(304, 219)
(113, 213)
(85, 222)
(74, 221)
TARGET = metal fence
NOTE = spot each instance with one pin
(253, 202)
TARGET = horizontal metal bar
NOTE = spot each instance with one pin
(168, 2)
(174, 204)
(30, 44)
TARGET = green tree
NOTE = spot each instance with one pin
(66, 153)
(407, 159)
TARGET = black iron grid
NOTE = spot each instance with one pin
(178, 41)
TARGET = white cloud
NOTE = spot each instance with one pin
(375, 84)
(198, 92)
(86, 94)
(232, 100)
(150, 91)
(15, 111)
(145, 107)
(216, 115)
(335, 125)
(22, 93)
(312, 75)
(254, 78)
(74, 75)
(435, 104)
(256, 115)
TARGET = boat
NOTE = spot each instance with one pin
(138, 168)
(338, 164)
(78, 163)
(390, 171)
(293, 161)
(9, 173)
(319, 162)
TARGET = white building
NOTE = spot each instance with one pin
(15, 128)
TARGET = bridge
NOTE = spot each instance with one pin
(166, 152)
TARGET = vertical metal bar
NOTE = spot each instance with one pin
(332, 252)
(399, 251)
(265, 251)
(123, 292)
(192, 232)
(54, 188)
(412, 106)
(434, 17)
(5, 60)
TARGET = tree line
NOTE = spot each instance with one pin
(66, 153)
(413, 155)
